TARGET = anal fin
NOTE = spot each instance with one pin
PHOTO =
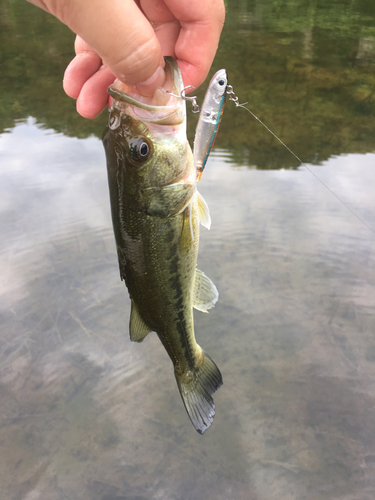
(137, 327)
(205, 294)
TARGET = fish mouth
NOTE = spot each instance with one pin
(162, 108)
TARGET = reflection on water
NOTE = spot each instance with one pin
(86, 414)
(306, 68)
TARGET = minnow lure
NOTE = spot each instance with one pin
(209, 119)
(210, 116)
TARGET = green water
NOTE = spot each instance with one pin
(86, 414)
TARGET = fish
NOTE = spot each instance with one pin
(209, 119)
(156, 211)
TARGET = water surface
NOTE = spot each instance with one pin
(84, 413)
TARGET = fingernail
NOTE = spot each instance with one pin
(148, 87)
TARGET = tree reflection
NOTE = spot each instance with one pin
(305, 67)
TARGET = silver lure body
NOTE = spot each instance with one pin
(209, 119)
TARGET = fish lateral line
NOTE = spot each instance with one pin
(234, 98)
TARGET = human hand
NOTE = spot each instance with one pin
(127, 39)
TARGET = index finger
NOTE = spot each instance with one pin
(201, 24)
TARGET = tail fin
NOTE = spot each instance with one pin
(196, 390)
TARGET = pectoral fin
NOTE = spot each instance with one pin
(204, 212)
(138, 328)
(187, 233)
(205, 293)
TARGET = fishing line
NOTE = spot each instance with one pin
(234, 98)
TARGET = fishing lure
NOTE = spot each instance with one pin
(209, 119)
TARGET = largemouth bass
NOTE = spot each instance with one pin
(156, 211)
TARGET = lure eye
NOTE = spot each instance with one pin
(139, 149)
(221, 82)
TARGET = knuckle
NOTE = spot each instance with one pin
(139, 63)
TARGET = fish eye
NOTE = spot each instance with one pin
(144, 149)
(139, 149)
(221, 82)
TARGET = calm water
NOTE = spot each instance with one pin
(84, 413)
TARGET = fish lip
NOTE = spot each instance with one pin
(170, 114)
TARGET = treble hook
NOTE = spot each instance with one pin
(192, 99)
